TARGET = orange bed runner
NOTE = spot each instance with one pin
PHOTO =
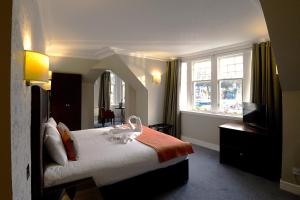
(166, 146)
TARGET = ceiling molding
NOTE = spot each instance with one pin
(97, 54)
(104, 52)
(220, 50)
(73, 55)
(137, 54)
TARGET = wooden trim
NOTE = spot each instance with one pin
(290, 187)
(201, 143)
(5, 105)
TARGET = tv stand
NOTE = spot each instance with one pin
(248, 148)
(255, 126)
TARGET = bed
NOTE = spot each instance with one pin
(124, 168)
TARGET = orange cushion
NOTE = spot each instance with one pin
(67, 141)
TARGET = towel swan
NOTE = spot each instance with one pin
(137, 126)
(124, 135)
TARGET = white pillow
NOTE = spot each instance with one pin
(52, 122)
(55, 146)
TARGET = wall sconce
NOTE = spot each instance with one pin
(36, 67)
(47, 86)
(49, 75)
(156, 77)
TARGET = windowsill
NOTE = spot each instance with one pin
(212, 114)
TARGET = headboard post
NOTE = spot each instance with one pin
(39, 115)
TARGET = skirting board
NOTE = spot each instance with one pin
(290, 187)
(201, 143)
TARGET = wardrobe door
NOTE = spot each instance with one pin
(66, 99)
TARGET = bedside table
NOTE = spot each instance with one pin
(84, 189)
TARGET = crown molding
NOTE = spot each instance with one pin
(104, 52)
(138, 55)
(73, 55)
(218, 50)
(98, 51)
(227, 48)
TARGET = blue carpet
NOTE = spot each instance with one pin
(210, 180)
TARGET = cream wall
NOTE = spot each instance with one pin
(282, 18)
(203, 128)
(143, 69)
(291, 135)
(26, 33)
(87, 120)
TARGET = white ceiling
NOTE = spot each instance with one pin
(151, 28)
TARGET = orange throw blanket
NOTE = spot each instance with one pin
(166, 146)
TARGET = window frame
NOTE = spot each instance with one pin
(201, 81)
(118, 91)
(218, 58)
(246, 51)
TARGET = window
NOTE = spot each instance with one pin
(123, 92)
(117, 90)
(230, 82)
(219, 83)
(112, 89)
(201, 84)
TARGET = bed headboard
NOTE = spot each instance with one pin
(39, 115)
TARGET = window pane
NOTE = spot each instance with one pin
(202, 96)
(231, 67)
(112, 94)
(123, 91)
(231, 96)
(201, 70)
(112, 88)
(112, 78)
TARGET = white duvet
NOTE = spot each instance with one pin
(106, 161)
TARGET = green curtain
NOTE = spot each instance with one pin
(267, 91)
(266, 85)
(171, 102)
(104, 94)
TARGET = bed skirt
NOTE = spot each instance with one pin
(150, 184)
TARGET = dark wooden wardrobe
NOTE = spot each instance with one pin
(66, 99)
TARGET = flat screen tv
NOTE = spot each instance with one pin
(255, 115)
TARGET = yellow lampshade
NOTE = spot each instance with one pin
(156, 77)
(36, 67)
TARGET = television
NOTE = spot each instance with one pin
(255, 115)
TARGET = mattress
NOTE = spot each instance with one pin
(105, 160)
